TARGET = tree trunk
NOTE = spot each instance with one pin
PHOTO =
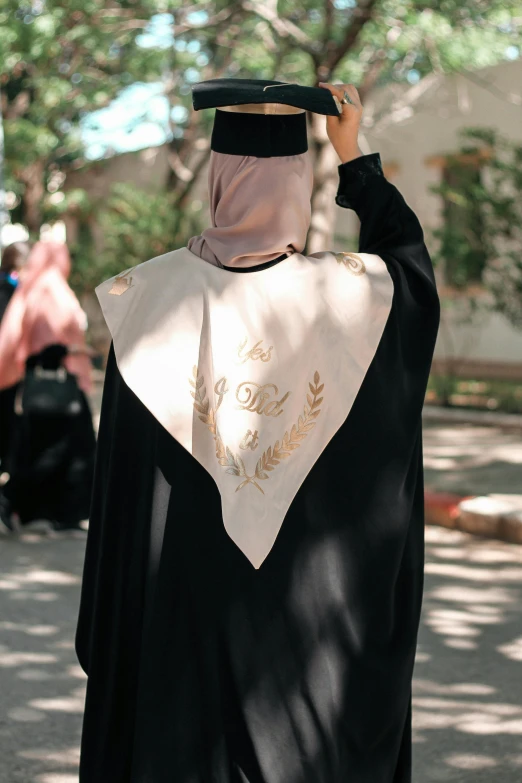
(321, 232)
(33, 177)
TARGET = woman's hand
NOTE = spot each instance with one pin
(343, 130)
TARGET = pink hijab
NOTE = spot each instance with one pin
(43, 311)
(260, 208)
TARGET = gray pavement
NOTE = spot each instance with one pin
(41, 684)
(468, 678)
(472, 459)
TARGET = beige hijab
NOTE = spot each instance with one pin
(44, 311)
(260, 209)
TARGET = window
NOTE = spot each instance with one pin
(462, 232)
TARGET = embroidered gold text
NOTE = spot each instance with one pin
(269, 460)
(220, 389)
(253, 397)
(250, 441)
(254, 353)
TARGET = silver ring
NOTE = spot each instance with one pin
(347, 100)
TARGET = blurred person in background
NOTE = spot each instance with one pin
(43, 352)
(14, 257)
(254, 565)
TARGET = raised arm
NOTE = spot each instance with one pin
(389, 227)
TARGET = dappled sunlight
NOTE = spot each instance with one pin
(31, 630)
(41, 683)
(459, 459)
(479, 555)
(9, 658)
(459, 688)
(25, 715)
(467, 699)
(66, 704)
(476, 574)
(75, 671)
(35, 675)
(34, 537)
(63, 644)
(67, 756)
(512, 650)
(470, 595)
(460, 644)
(470, 761)
(421, 656)
(37, 576)
(37, 596)
(467, 702)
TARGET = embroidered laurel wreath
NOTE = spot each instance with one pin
(270, 458)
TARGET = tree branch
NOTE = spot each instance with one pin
(512, 98)
(361, 15)
(222, 16)
(328, 21)
(397, 111)
(374, 70)
(284, 28)
(182, 172)
(184, 191)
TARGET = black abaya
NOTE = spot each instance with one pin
(204, 670)
(7, 396)
(51, 459)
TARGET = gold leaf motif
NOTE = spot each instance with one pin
(273, 455)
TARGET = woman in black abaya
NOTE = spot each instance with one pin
(213, 654)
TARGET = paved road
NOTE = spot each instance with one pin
(41, 684)
(468, 679)
(470, 459)
(468, 682)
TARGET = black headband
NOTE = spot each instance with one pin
(259, 135)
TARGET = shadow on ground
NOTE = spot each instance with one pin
(472, 460)
(468, 678)
(41, 683)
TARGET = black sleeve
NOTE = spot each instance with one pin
(117, 542)
(389, 228)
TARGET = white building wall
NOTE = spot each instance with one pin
(489, 98)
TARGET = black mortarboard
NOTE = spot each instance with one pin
(259, 117)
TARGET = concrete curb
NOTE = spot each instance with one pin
(488, 418)
(489, 516)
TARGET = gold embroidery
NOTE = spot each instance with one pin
(256, 401)
(121, 283)
(352, 262)
(220, 389)
(273, 455)
(250, 441)
(232, 462)
(254, 353)
(291, 441)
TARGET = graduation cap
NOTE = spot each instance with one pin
(259, 117)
